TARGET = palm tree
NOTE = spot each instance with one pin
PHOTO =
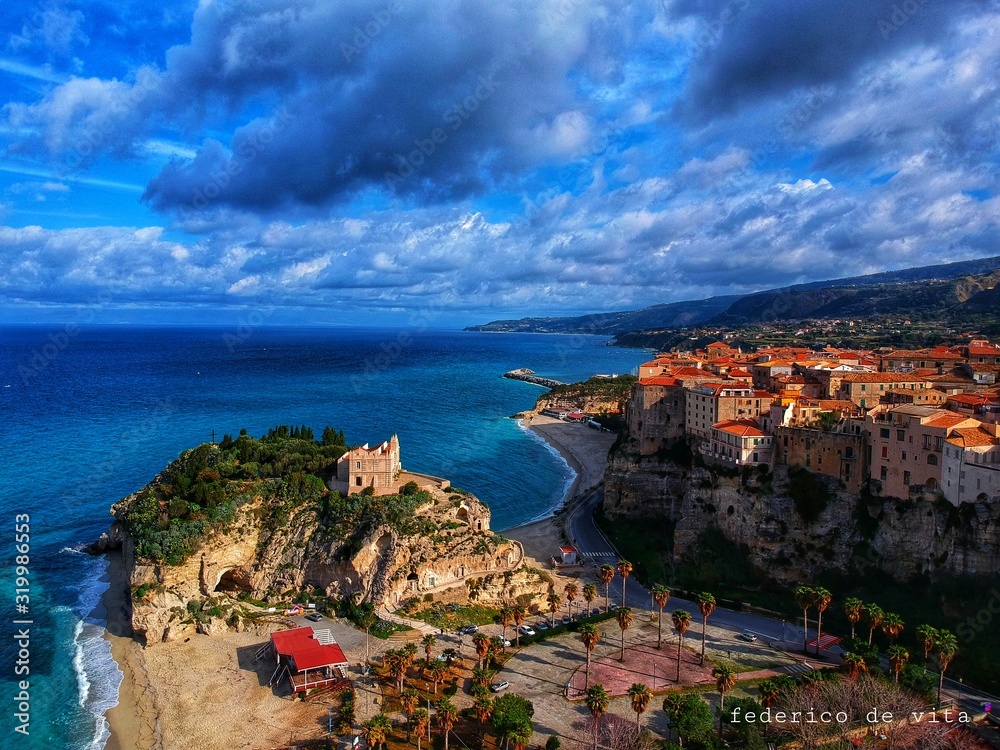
(805, 597)
(506, 618)
(409, 699)
(624, 570)
(428, 642)
(481, 642)
(682, 621)
(437, 671)
(898, 656)
(853, 665)
(571, 591)
(375, 730)
(395, 663)
(822, 601)
(496, 647)
(706, 605)
(875, 617)
(483, 708)
(521, 736)
(928, 639)
(421, 722)
(597, 701)
(607, 575)
(554, 602)
(367, 619)
(446, 716)
(892, 626)
(661, 595)
(624, 617)
(481, 677)
(590, 636)
(946, 647)
(770, 692)
(640, 695)
(853, 608)
(518, 612)
(725, 678)
(451, 655)
(589, 594)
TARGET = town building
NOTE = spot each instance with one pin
(840, 455)
(867, 388)
(365, 468)
(655, 413)
(709, 403)
(971, 468)
(738, 442)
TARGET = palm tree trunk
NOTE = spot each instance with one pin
(586, 682)
(871, 633)
(940, 684)
(659, 630)
(805, 630)
(623, 591)
(722, 710)
(852, 630)
(704, 626)
(819, 629)
(607, 595)
(623, 646)
(679, 658)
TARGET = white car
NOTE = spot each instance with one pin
(526, 630)
(496, 687)
(746, 635)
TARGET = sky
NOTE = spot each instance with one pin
(455, 161)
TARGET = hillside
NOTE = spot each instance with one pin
(924, 293)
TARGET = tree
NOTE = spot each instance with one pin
(769, 691)
(376, 730)
(590, 636)
(661, 596)
(805, 597)
(898, 656)
(589, 593)
(640, 695)
(554, 602)
(597, 701)
(624, 570)
(571, 591)
(367, 619)
(521, 736)
(706, 605)
(483, 708)
(437, 671)
(510, 713)
(681, 619)
(892, 626)
(421, 722)
(428, 642)
(853, 665)
(409, 653)
(446, 717)
(481, 642)
(853, 608)
(506, 618)
(946, 646)
(624, 617)
(725, 678)
(875, 615)
(927, 636)
(409, 699)
(450, 655)
(690, 717)
(395, 664)
(607, 575)
(822, 599)
(518, 613)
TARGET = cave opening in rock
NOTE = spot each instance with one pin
(232, 582)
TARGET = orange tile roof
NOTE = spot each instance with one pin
(880, 377)
(948, 419)
(972, 437)
(661, 380)
(740, 428)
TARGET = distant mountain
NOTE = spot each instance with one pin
(922, 293)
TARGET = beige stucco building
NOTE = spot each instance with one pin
(364, 467)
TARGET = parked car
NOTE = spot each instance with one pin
(746, 635)
(468, 629)
(506, 642)
(526, 630)
(314, 617)
(566, 620)
(496, 687)
(541, 625)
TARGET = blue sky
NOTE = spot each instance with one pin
(344, 162)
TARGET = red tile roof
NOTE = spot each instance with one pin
(972, 437)
(302, 647)
(740, 428)
(880, 377)
(660, 380)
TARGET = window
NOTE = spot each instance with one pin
(849, 452)
(927, 442)
(885, 451)
(357, 481)
(863, 387)
(906, 478)
(357, 465)
(884, 473)
(885, 433)
(932, 460)
(900, 435)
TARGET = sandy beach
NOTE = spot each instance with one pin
(209, 691)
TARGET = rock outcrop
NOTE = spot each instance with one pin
(844, 532)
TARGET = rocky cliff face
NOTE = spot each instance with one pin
(903, 538)
(259, 558)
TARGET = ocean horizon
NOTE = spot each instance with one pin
(92, 413)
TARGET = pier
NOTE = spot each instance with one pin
(528, 376)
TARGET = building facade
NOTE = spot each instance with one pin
(377, 468)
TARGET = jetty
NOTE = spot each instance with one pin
(529, 376)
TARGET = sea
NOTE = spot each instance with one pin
(89, 414)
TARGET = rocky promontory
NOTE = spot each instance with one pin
(228, 529)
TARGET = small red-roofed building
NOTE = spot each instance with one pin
(867, 388)
(971, 468)
(738, 442)
(309, 658)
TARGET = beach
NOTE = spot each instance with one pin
(209, 691)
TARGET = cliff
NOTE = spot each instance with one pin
(599, 395)
(275, 538)
(792, 530)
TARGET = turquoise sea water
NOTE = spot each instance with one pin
(88, 415)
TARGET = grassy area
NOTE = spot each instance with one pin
(445, 618)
